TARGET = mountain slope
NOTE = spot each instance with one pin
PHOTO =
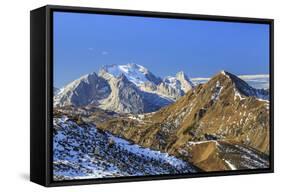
(88, 89)
(223, 109)
(81, 152)
(124, 97)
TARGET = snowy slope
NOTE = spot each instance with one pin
(137, 74)
(169, 87)
(82, 151)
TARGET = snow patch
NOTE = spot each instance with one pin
(217, 91)
(134, 73)
(148, 153)
(231, 166)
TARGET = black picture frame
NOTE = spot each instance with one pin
(41, 93)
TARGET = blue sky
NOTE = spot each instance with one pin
(85, 42)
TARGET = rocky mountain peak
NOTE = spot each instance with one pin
(181, 75)
(240, 87)
(180, 81)
(90, 77)
(87, 89)
(223, 72)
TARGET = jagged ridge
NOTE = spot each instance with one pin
(127, 88)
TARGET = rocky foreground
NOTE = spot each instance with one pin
(82, 151)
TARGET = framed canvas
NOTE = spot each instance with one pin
(123, 95)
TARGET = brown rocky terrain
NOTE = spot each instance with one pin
(224, 109)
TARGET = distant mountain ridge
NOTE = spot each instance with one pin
(132, 88)
(129, 88)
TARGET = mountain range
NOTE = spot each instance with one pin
(222, 124)
(127, 88)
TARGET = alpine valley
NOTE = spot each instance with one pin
(126, 121)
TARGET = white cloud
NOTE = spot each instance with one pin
(104, 53)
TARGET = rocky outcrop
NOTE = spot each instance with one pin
(125, 97)
(88, 89)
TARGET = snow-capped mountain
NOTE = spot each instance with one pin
(132, 88)
(137, 74)
(171, 87)
(184, 81)
(180, 83)
(127, 88)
